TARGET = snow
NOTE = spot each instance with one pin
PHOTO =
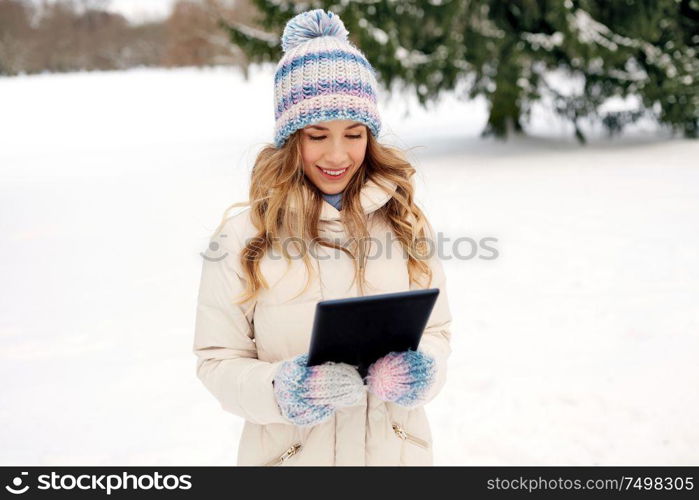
(271, 39)
(548, 42)
(591, 31)
(577, 345)
(379, 35)
(411, 58)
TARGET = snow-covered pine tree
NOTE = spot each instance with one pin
(507, 52)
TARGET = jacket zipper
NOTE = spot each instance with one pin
(293, 450)
(400, 432)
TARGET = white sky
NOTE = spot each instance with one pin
(139, 10)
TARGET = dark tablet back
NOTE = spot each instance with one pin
(360, 330)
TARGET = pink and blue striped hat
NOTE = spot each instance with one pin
(321, 77)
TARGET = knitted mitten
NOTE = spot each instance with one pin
(308, 395)
(402, 377)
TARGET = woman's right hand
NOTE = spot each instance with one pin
(309, 395)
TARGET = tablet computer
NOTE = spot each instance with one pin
(360, 330)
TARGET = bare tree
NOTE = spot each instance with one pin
(195, 35)
(71, 35)
(15, 34)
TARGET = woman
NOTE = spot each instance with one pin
(331, 215)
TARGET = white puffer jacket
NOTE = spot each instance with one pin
(238, 354)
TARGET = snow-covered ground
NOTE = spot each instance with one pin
(578, 344)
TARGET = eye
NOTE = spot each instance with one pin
(321, 137)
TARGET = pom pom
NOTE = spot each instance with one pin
(312, 24)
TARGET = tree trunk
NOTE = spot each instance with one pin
(505, 101)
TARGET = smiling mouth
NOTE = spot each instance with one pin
(333, 174)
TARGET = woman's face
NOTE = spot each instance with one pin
(337, 146)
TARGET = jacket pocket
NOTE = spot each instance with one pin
(288, 453)
(400, 432)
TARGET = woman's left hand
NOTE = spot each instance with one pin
(402, 377)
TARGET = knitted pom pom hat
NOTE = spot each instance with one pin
(321, 77)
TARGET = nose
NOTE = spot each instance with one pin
(336, 156)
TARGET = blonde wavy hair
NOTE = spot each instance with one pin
(278, 178)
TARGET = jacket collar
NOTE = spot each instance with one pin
(371, 197)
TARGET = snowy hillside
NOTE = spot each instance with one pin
(578, 344)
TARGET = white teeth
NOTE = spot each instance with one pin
(339, 172)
